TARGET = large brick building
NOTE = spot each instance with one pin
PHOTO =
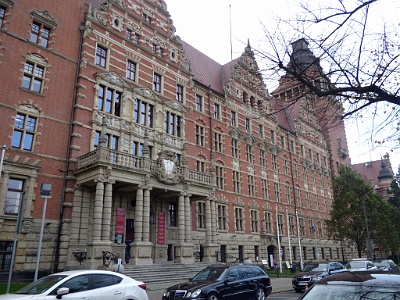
(146, 140)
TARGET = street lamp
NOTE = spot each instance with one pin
(366, 226)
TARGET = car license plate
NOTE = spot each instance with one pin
(303, 283)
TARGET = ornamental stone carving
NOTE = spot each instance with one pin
(167, 170)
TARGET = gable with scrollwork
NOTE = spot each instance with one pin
(235, 133)
(238, 202)
(175, 105)
(146, 93)
(112, 78)
(221, 199)
(250, 139)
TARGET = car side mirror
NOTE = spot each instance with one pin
(62, 291)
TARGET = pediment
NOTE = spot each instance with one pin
(175, 105)
(112, 78)
(235, 133)
(146, 93)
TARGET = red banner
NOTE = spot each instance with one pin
(161, 228)
(120, 222)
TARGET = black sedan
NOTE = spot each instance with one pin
(223, 282)
(356, 285)
(386, 265)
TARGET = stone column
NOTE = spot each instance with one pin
(98, 211)
(146, 215)
(106, 225)
(4, 187)
(188, 223)
(76, 215)
(208, 222)
(28, 197)
(139, 215)
(181, 219)
(213, 222)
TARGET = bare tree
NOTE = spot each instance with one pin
(357, 57)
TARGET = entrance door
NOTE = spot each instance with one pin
(170, 252)
(130, 230)
(241, 253)
(222, 250)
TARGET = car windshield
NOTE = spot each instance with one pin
(383, 263)
(352, 292)
(315, 267)
(41, 285)
(208, 274)
(356, 264)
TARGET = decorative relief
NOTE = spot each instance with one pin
(117, 22)
(167, 168)
(44, 17)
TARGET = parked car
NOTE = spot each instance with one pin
(223, 282)
(82, 284)
(315, 271)
(357, 285)
(386, 265)
(360, 264)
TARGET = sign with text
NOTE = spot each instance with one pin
(161, 228)
(120, 223)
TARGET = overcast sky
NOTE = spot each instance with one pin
(221, 28)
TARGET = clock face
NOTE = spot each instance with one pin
(168, 166)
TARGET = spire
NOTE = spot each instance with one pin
(384, 173)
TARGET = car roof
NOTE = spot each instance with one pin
(367, 278)
(82, 272)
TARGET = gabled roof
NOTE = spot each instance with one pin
(371, 170)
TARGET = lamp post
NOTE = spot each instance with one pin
(45, 192)
(366, 226)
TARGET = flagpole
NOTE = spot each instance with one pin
(279, 241)
(288, 235)
(298, 235)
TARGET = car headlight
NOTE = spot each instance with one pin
(317, 278)
(166, 293)
(193, 294)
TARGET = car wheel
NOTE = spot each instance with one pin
(212, 296)
(260, 295)
(298, 290)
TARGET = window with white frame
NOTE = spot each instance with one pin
(236, 181)
(14, 196)
(265, 188)
(298, 196)
(239, 219)
(143, 113)
(33, 77)
(292, 225)
(308, 200)
(217, 112)
(277, 192)
(281, 224)
(302, 226)
(112, 141)
(260, 131)
(219, 174)
(274, 162)
(131, 70)
(172, 124)
(137, 149)
(295, 170)
(101, 56)
(235, 148)
(319, 228)
(157, 82)
(40, 34)
(222, 211)
(136, 38)
(179, 93)
(109, 100)
(273, 137)
(268, 222)
(24, 132)
(172, 214)
(200, 166)
(218, 142)
(249, 154)
(2, 14)
(288, 193)
(201, 215)
(316, 201)
(311, 227)
(254, 220)
(247, 125)
(285, 166)
(251, 185)
(200, 135)
(233, 118)
(263, 161)
(199, 103)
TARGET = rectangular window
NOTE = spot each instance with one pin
(157, 83)
(319, 228)
(222, 217)
(260, 131)
(147, 18)
(298, 197)
(40, 34)
(308, 201)
(24, 132)
(277, 192)
(239, 225)
(201, 215)
(249, 154)
(179, 93)
(128, 34)
(136, 38)
(265, 188)
(219, 172)
(160, 51)
(154, 48)
(109, 101)
(172, 214)
(292, 147)
(247, 125)
(101, 56)
(172, 124)
(268, 222)
(235, 148)
(302, 227)
(274, 162)
(263, 162)
(281, 224)
(199, 103)
(143, 113)
(216, 111)
(250, 179)
(311, 227)
(288, 194)
(254, 220)
(199, 135)
(13, 196)
(218, 142)
(131, 70)
(292, 225)
(283, 142)
(236, 182)
(296, 170)
(111, 143)
(2, 14)
(33, 77)
(200, 166)
(233, 118)
(286, 166)
(273, 137)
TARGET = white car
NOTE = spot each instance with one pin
(82, 284)
(360, 265)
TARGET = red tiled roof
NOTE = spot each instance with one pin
(370, 170)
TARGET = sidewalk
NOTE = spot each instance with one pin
(279, 284)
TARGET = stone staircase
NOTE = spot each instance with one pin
(162, 273)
